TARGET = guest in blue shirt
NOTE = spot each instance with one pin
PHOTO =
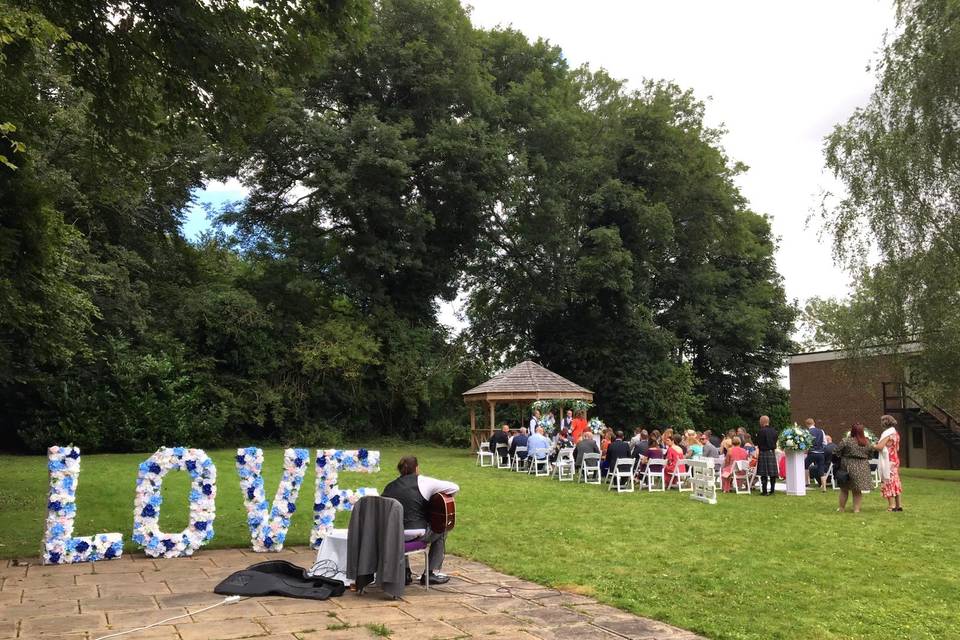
(816, 462)
(538, 443)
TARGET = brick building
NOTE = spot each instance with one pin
(837, 390)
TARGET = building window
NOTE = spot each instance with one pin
(917, 437)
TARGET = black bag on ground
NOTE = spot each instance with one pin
(279, 578)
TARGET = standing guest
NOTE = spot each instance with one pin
(567, 422)
(534, 421)
(767, 467)
(815, 461)
(618, 449)
(579, 426)
(694, 448)
(519, 440)
(889, 448)
(501, 438)
(714, 439)
(413, 491)
(538, 443)
(586, 445)
(674, 456)
(709, 449)
(854, 453)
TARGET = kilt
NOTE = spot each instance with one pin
(767, 464)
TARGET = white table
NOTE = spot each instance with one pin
(333, 552)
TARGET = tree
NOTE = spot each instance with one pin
(897, 227)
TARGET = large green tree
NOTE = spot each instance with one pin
(896, 225)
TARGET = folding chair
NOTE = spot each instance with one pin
(679, 476)
(717, 468)
(829, 476)
(654, 472)
(590, 468)
(502, 457)
(741, 472)
(520, 459)
(564, 466)
(875, 472)
(538, 464)
(620, 474)
(483, 453)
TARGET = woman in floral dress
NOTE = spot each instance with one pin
(854, 453)
(890, 440)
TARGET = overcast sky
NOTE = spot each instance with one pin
(778, 75)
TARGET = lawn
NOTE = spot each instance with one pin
(748, 567)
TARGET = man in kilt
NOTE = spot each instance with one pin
(767, 467)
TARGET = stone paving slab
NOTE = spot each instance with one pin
(85, 602)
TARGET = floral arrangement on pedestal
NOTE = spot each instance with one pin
(146, 512)
(870, 435)
(269, 526)
(597, 426)
(548, 422)
(59, 545)
(795, 439)
(329, 497)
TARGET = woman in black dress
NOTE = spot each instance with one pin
(767, 467)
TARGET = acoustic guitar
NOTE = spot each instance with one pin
(443, 513)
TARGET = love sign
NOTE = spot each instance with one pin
(268, 523)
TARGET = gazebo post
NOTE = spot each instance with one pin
(474, 441)
(493, 416)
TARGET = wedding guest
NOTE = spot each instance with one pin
(538, 443)
(639, 448)
(618, 449)
(501, 438)
(889, 448)
(567, 422)
(727, 442)
(734, 454)
(854, 453)
(815, 461)
(744, 437)
(674, 456)
(579, 426)
(534, 422)
(655, 437)
(653, 452)
(714, 439)
(519, 440)
(667, 438)
(710, 450)
(767, 467)
(637, 435)
(604, 445)
(562, 441)
(586, 445)
(694, 447)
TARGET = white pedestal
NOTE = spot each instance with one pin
(796, 473)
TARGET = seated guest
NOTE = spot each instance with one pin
(639, 446)
(562, 441)
(655, 438)
(735, 453)
(666, 439)
(637, 435)
(413, 491)
(714, 439)
(727, 443)
(538, 444)
(694, 448)
(617, 449)
(604, 445)
(709, 449)
(519, 440)
(501, 437)
(674, 456)
(586, 445)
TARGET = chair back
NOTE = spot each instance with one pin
(520, 450)
(566, 454)
(484, 446)
(591, 459)
(624, 466)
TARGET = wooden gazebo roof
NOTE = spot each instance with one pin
(527, 381)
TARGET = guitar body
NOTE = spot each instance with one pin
(443, 513)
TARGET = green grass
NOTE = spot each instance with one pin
(748, 567)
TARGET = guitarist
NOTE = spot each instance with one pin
(413, 491)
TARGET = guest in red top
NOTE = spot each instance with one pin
(578, 426)
(734, 454)
(674, 456)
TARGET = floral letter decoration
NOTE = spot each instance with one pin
(146, 512)
(59, 545)
(329, 497)
(268, 526)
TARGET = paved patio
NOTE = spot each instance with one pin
(86, 601)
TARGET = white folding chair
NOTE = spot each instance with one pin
(654, 472)
(520, 459)
(741, 473)
(679, 477)
(564, 466)
(717, 469)
(829, 476)
(539, 467)
(590, 468)
(484, 453)
(875, 471)
(621, 475)
(502, 457)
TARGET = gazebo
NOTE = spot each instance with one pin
(521, 385)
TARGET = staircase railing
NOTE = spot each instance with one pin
(897, 398)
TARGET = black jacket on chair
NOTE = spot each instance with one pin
(375, 544)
